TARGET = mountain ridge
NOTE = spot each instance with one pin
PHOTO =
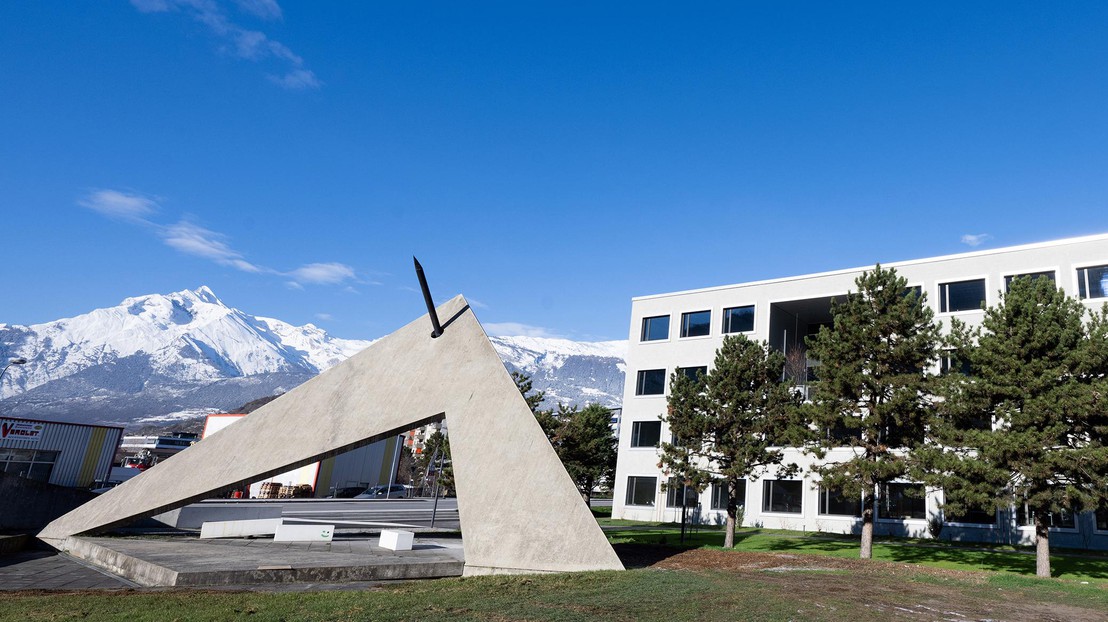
(169, 356)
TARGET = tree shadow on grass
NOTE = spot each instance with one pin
(949, 556)
(998, 561)
(655, 547)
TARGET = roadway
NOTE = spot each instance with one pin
(364, 514)
(369, 514)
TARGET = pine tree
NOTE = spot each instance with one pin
(1028, 425)
(548, 421)
(587, 447)
(872, 390)
(726, 424)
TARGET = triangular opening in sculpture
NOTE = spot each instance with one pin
(518, 508)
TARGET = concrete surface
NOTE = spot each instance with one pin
(35, 503)
(518, 508)
(182, 561)
(50, 570)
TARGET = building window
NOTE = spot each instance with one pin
(962, 296)
(655, 328)
(738, 319)
(641, 490)
(1055, 520)
(835, 503)
(719, 495)
(952, 363)
(651, 382)
(696, 374)
(28, 463)
(1101, 516)
(972, 516)
(673, 494)
(1092, 282)
(1049, 274)
(696, 323)
(902, 502)
(913, 290)
(646, 433)
(781, 495)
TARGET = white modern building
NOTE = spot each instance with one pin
(682, 330)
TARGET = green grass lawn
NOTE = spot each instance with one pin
(1076, 566)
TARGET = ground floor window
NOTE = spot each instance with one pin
(641, 490)
(1102, 519)
(29, 463)
(902, 501)
(1056, 520)
(782, 495)
(834, 503)
(673, 494)
(972, 516)
(719, 495)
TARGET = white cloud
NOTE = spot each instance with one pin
(323, 273)
(515, 329)
(245, 43)
(122, 205)
(326, 317)
(296, 80)
(976, 239)
(476, 304)
(193, 239)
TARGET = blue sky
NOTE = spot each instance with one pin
(548, 160)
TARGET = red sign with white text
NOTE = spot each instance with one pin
(20, 430)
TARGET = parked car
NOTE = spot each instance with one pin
(396, 491)
(348, 492)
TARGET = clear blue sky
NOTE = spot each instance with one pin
(548, 160)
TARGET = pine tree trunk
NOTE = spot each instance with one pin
(732, 514)
(866, 550)
(1042, 546)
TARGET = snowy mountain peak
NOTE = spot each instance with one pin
(164, 353)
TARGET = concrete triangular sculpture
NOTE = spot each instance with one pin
(518, 508)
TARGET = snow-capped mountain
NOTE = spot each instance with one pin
(159, 357)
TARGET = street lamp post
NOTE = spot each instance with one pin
(18, 361)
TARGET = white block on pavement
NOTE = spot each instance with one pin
(304, 533)
(396, 539)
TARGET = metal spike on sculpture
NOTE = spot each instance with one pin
(518, 508)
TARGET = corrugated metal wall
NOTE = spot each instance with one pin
(85, 452)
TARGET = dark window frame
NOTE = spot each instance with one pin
(901, 506)
(637, 484)
(637, 434)
(647, 326)
(673, 494)
(642, 379)
(769, 504)
(1050, 274)
(703, 329)
(944, 296)
(1085, 288)
(729, 319)
(719, 495)
(825, 504)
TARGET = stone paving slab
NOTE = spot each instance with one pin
(49, 570)
(189, 561)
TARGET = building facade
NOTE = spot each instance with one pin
(682, 330)
(63, 454)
